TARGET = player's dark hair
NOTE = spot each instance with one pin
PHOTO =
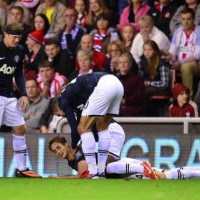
(57, 139)
(187, 10)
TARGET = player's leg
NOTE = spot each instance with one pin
(104, 142)
(13, 117)
(125, 166)
(130, 166)
(88, 142)
(182, 173)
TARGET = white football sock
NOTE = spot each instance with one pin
(189, 168)
(103, 146)
(20, 149)
(182, 174)
(173, 174)
(88, 147)
(190, 173)
(119, 167)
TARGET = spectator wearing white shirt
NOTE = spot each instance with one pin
(148, 32)
(185, 48)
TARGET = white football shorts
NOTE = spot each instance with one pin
(117, 140)
(10, 112)
(106, 97)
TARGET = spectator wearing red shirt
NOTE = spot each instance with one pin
(98, 58)
(182, 105)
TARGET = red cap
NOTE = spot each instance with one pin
(177, 89)
(37, 36)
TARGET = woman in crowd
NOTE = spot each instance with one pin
(133, 12)
(148, 32)
(155, 71)
(97, 7)
(41, 23)
(132, 103)
(115, 49)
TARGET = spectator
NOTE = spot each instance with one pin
(31, 5)
(58, 58)
(85, 61)
(97, 7)
(115, 49)
(41, 23)
(104, 34)
(128, 33)
(51, 117)
(5, 12)
(148, 32)
(80, 6)
(17, 15)
(185, 48)
(37, 105)
(133, 12)
(155, 71)
(132, 101)
(176, 20)
(98, 58)
(54, 11)
(166, 10)
(49, 81)
(70, 36)
(182, 105)
(36, 53)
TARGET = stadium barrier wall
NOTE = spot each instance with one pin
(165, 142)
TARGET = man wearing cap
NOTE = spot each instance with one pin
(11, 62)
(34, 43)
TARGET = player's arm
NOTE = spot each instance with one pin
(69, 114)
(82, 166)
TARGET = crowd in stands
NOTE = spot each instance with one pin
(139, 41)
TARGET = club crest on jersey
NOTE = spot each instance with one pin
(16, 58)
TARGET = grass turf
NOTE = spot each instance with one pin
(74, 189)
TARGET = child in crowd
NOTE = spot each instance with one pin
(128, 33)
(155, 71)
(80, 6)
(182, 105)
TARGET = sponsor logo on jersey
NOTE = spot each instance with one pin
(7, 69)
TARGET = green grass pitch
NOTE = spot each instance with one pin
(75, 189)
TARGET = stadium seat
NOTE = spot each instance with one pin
(163, 101)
